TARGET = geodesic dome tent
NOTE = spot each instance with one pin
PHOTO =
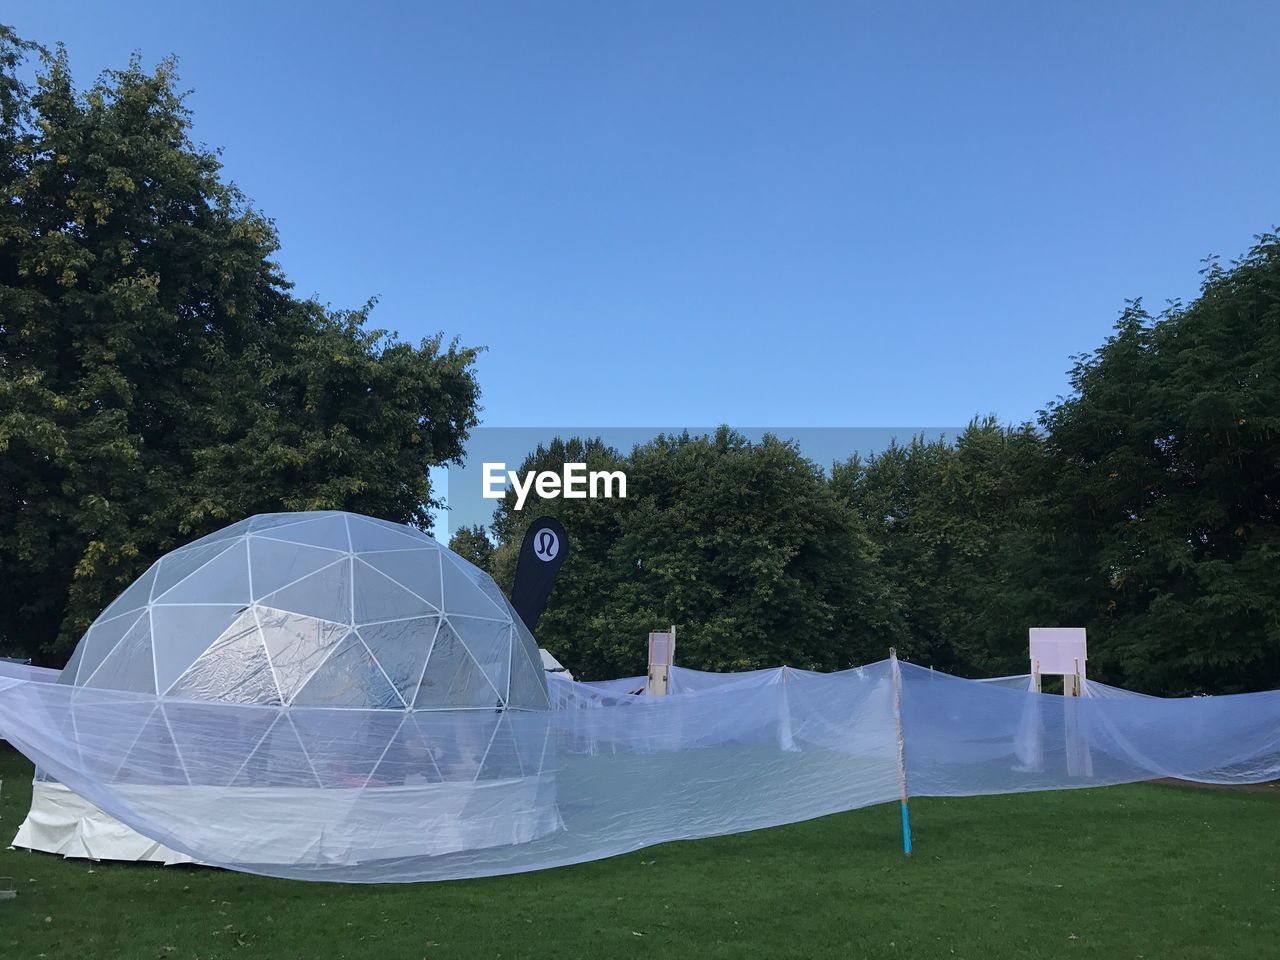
(315, 609)
(386, 661)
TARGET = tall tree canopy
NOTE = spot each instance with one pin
(473, 545)
(962, 543)
(1169, 484)
(744, 545)
(1145, 506)
(158, 379)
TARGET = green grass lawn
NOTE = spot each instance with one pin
(1138, 871)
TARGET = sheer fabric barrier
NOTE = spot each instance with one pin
(24, 671)
(356, 795)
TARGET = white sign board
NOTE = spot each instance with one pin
(662, 649)
(1058, 650)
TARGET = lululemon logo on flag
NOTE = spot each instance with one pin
(546, 545)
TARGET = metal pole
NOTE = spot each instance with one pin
(902, 756)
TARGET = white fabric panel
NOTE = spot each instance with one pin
(223, 783)
(684, 680)
(24, 671)
(1101, 691)
(333, 832)
(62, 822)
(368, 795)
(967, 738)
(1021, 681)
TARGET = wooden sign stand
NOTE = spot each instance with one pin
(662, 654)
(1063, 652)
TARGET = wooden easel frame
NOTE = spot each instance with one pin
(662, 654)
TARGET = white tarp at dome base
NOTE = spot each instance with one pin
(297, 733)
(61, 821)
(551, 665)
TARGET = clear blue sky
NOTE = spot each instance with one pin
(792, 214)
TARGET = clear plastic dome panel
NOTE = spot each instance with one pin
(315, 610)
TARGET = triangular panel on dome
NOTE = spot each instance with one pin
(265, 521)
(462, 595)
(275, 564)
(489, 642)
(409, 759)
(328, 530)
(453, 679)
(297, 645)
(368, 534)
(129, 665)
(533, 736)
(199, 729)
(378, 597)
(100, 722)
(237, 529)
(173, 568)
(72, 666)
(101, 638)
(495, 594)
(458, 739)
(325, 595)
(350, 677)
(521, 637)
(528, 690)
(181, 633)
(415, 570)
(279, 760)
(153, 757)
(224, 579)
(134, 597)
(345, 760)
(501, 758)
(234, 668)
(446, 736)
(401, 648)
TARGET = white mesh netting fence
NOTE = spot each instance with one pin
(365, 795)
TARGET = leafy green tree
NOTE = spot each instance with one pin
(157, 378)
(472, 543)
(743, 545)
(1170, 484)
(959, 528)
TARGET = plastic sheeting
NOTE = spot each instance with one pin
(317, 609)
(24, 671)
(368, 795)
